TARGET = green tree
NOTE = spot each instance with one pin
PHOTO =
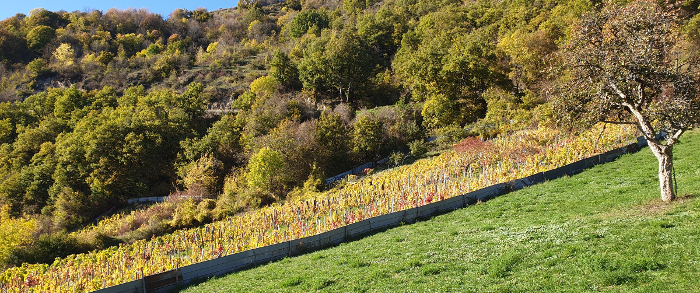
(6, 130)
(302, 22)
(266, 170)
(332, 136)
(383, 32)
(622, 65)
(439, 111)
(356, 6)
(342, 62)
(203, 177)
(130, 43)
(66, 104)
(41, 16)
(128, 151)
(454, 66)
(13, 48)
(37, 66)
(264, 87)
(313, 68)
(221, 141)
(71, 209)
(528, 47)
(283, 69)
(201, 15)
(30, 139)
(367, 138)
(350, 63)
(39, 36)
(294, 140)
(38, 176)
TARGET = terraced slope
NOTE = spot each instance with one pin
(602, 230)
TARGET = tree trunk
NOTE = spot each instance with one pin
(664, 154)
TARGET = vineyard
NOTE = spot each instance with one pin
(472, 164)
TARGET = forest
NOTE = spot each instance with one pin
(238, 108)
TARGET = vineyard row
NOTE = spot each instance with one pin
(473, 165)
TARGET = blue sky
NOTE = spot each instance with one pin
(9, 8)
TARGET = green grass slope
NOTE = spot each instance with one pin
(602, 230)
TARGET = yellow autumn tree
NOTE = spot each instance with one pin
(64, 55)
(264, 87)
(13, 232)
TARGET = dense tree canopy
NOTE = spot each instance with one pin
(95, 149)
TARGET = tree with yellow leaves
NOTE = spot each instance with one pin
(13, 232)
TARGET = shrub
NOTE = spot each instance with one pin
(236, 196)
(314, 184)
(37, 66)
(204, 210)
(203, 177)
(418, 148)
(14, 232)
(367, 137)
(47, 248)
(266, 172)
(396, 158)
(447, 136)
(185, 214)
(71, 209)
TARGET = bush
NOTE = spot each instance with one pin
(37, 66)
(449, 135)
(47, 248)
(367, 138)
(14, 232)
(418, 148)
(204, 210)
(203, 177)
(237, 196)
(266, 172)
(189, 213)
(314, 184)
(396, 158)
(72, 208)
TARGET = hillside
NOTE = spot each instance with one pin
(102, 106)
(242, 108)
(602, 230)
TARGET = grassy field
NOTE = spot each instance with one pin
(602, 230)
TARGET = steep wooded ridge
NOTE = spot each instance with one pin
(252, 105)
